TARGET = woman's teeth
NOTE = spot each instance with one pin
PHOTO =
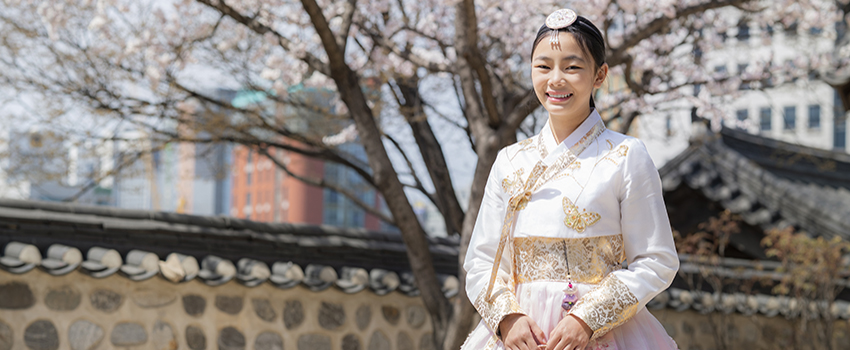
(560, 96)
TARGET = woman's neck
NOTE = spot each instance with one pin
(564, 127)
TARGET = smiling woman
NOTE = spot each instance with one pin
(576, 201)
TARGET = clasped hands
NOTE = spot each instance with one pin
(520, 332)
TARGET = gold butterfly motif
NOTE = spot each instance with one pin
(508, 183)
(577, 219)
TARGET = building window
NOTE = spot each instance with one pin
(839, 121)
(742, 115)
(250, 156)
(790, 116)
(791, 30)
(742, 68)
(248, 179)
(720, 69)
(764, 119)
(814, 116)
(743, 31)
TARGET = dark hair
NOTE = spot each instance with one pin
(586, 34)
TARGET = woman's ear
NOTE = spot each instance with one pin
(601, 73)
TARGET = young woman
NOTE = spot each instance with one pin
(562, 211)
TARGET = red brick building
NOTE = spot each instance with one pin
(263, 192)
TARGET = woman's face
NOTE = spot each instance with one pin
(564, 78)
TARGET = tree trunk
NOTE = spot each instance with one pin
(386, 179)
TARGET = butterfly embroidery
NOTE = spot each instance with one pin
(577, 219)
(509, 183)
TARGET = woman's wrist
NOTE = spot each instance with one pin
(506, 323)
(583, 325)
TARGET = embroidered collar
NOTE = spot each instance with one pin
(546, 139)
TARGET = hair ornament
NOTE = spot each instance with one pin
(557, 20)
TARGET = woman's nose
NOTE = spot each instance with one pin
(558, 78)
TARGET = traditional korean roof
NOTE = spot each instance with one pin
(102, 241)
(683, 297)
(770, 183)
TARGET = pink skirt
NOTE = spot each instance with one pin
(542, 302)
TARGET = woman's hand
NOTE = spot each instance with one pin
(520, 332)
(571, 333)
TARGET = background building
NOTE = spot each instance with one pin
(805, 111)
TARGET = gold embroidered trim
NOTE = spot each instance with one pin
(502, 303)
(607, 306)
(592, 258)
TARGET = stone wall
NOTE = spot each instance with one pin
(40, 311)
(693, 330)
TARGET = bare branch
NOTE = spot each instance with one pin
(527, 104)
(262, 29)
(417, 182)
(406, 54)
(321, 182)
(618, 54)
(347, 19)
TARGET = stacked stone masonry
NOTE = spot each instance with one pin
(39, 311)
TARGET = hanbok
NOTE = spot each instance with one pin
(587, 211)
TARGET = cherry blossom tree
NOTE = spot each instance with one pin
(400, 75)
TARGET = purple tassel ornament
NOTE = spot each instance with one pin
(570, 297)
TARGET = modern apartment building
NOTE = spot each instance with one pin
(804, 110)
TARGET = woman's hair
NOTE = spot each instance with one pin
(586, 34)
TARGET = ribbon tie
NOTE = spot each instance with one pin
(515, 204)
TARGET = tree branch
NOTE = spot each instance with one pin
(527, 104)
(406, 54)
(467, 46)
(432, 153)
(262, 29)
(617, 55)
(347, 19)
(417, 182)
(329, 185)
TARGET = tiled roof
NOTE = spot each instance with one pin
(769, 183)
(682, 297)
(101, 241)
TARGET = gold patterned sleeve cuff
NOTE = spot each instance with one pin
(502, 304)
(607, 306)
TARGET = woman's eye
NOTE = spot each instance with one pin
(573, 67)
(542, 66)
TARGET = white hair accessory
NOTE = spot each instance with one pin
(557, 20)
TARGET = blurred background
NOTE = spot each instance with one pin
(274, 174)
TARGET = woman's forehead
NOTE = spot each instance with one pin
(566, 48)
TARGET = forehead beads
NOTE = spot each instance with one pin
(557, 20)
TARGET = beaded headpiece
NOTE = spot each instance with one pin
(557, 20)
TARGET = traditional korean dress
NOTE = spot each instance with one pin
(576, 210)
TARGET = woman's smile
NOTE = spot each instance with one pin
(558, 97)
